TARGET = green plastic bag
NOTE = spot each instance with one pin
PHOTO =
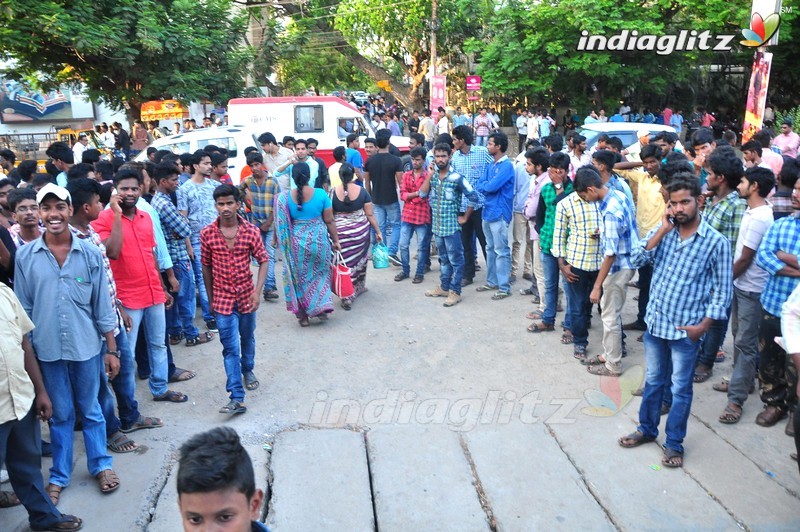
(380, 256)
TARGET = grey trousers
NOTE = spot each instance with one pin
(746, 314)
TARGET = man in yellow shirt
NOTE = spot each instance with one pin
(649, 211)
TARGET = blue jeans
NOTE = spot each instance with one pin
(70, 384)
(481, 140)
(21, 452)
(423, 233)
(237, 335)
(180, 316)
(197, 268)
(388, 217)
(551, 275)
(155, 326)
(124, 385)
(451, 261)
(713, 340)
(498, 254)
(269, 285)
(579, 308)
(658, 353)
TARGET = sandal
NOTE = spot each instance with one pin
(730, 416)
(9, 499)
(594, 361)
(579, 352)
(250, 380)
(180, 375)
(67, 522)
(418, 279)
(721, 386)
(567, 339)
(486, 288)
(602, 371)
(634, 439)
(540, 327)
(345, 305)
(304, 322)
(143, 423)
(119, 443)
(175, 339)
(172, 397)
(535, 315)
(233, 407)
(401, 276)
(54, 492)
(672, 458)
(107, 480)
(201, 339)
(702, 376)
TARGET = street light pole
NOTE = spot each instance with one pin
(434, 29)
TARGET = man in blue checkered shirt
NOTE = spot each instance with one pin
(618, 234)
(691, 287)
(778, 254)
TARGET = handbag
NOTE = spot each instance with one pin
(380, 256)
(341, 282)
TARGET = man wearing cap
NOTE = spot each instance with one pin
(788, 141)
(61, 284)
(80, 147)
(63, 159)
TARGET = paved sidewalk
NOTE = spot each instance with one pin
(402, 414)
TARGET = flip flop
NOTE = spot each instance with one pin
(567, 339)
(540, 328)
(535, 315)
(634, 439)
(250, 381)
(486, 288)
(67, 522)
(172, 397)
(233, 407)
(143, 423)
(119, 443)
(181, 375)
(672, 458)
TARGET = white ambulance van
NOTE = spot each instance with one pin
(326, 118)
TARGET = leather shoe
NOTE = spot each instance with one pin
(770, 415)
(466, 282)
(634, 326)
(790, 425)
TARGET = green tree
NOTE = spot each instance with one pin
(127, 52)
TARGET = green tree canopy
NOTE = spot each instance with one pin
(127, 52)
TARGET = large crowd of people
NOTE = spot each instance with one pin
(104, 263)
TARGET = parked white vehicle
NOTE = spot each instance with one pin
(326, 118)
(628, 132)
(233, 138)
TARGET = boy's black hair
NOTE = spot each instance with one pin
(419, 151)
(40, 180)
(763, 177)
(585, 177)
(500, 139)
(81, 191)
(128, 173)
(560, 160)
(79, 170)
(685, 181)
(256, 157)
(442, 146)
(650, 151)
(704, 135)
(339, 154)
(753, 145)
(789, 172)
(539, 157)
(724, 161)
(26, 169)
(607, 158)
(90, 156)
(104, 169)
(164, 170)
(226, 190)
(215, 461)
(15, 197)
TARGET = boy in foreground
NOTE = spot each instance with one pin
(216, 484)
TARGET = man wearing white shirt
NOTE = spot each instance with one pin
(80, 147)
(748, 283)
(522, 130)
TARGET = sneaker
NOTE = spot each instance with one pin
(211, 325)
(452, 299)
(395, 260)
(437, 292)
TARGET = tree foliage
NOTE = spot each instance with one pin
(126, 52)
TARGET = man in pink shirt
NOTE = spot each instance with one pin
(788, 141)
(537, 161)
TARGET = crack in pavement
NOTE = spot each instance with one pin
(476, 481)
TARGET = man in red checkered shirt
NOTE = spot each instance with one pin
(416, 216)
(227, 246)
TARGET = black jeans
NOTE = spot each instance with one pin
(21, 451)
(579, 307)
(645, 276)
(776, 373)
(471, 229)
(522, 140)
(143, 359)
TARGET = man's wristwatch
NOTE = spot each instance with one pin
(113, 353)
